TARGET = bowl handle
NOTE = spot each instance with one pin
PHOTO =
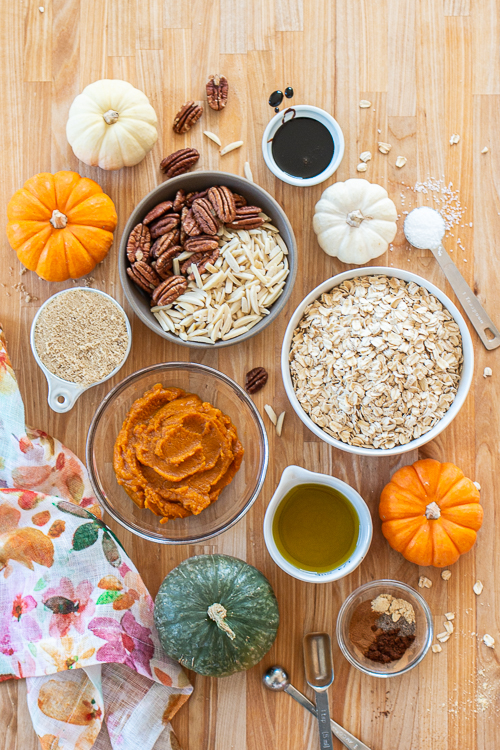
(62, 396)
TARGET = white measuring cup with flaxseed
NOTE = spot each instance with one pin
(80, 338)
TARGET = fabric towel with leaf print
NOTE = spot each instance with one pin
(75, 616)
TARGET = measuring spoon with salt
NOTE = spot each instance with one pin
(424, 229)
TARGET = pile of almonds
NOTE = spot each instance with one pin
(175, 235)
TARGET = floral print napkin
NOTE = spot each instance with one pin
(75, 616)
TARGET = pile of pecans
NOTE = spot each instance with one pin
(208, 250)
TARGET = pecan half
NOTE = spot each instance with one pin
(163, 266)
(247, 217)
(189, 223)
(255, 379)
(191, 197)
(179, 200)
(179, 162)
(164, 242)
(217, 92)
(222, 200)
(205, 216)
(147, 273)
(139, 243)
(169, 290)
(157, 211)
(139, 281)
(164, 224)
(204, 243)
(201, 260)
(186, 117)
(239, 200)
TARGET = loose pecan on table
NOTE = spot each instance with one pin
(157, 211)
(217, 92)
(179, 162)
(223, 203)
(247, 217)
(139, 243)
(255, 380)
(169, 290)
(187, 116)
(205, 216)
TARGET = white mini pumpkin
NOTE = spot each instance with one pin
(355, 221)
(111, 125)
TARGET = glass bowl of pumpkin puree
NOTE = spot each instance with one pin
(177, 453)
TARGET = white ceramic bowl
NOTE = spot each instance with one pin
(315, 113)
(465, 380)
(62, 394)
(291, 477)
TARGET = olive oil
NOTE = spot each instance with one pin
(315, 527)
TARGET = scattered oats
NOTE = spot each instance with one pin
(248, 172)
(41, 9)
(448, 626)
(365, 104)
(365, 156)
(450, 615)
(436, 648)
(477, 588)
(424, 583)
(455, 138)
(446, 575)
(401, 161)
(443, 637)
(487, 372)
(271, 414)
(376, 361)
(279, 423)
(213, 137)
(230, 147)
(22, 270)
(488, 640)
(81, 336)
(361, 167)
(477, 486)
(485, 150)
(384, 148)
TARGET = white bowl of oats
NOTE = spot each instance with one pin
(377, 361)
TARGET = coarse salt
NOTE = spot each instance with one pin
(424, 228)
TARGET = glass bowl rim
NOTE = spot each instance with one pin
(121, 386)
(394, 584)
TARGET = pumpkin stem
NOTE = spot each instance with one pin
(58, 219)
(354, 218)
(111, 116)
(218, 613)
(432, 511)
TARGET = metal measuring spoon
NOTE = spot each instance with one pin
(470, 303)
(277, 680)
(319, 675)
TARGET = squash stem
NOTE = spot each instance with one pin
(433, 511)
(58, 219)
(218, 613)
(111, 116)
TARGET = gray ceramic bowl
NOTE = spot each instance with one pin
(197, 181)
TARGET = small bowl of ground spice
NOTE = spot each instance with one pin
(384, 628)
(80, 337)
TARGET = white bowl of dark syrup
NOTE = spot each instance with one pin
(303, 145)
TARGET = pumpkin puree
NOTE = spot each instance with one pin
(174, 453)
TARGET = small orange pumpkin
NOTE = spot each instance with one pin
(60, 225)
(430, 513)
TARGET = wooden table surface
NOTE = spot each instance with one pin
(430, 68)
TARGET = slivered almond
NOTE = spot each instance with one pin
(271, 414)
(230, 147)
(279, 423)
(248, 172)
(213, 137)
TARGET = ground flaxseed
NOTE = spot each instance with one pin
(81, 336)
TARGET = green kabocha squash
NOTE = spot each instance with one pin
(216, 615)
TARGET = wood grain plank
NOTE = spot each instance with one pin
(456, 7)
(121, 27)
(149, 23)
(402, 88)
(176, 15)
(66, 60)
(38, 42)
(93, 24)
(486, 30)
(261, 25)
(233, 26)
(289, 15)
(373, 68)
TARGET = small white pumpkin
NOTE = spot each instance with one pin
(111, 125)
(355, 221)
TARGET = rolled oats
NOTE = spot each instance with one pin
(376, 362)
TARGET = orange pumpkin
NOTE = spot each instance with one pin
(60, 225)
(430, 513)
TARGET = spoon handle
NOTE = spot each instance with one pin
(347, 739)
(323, 716)
(470, 303)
